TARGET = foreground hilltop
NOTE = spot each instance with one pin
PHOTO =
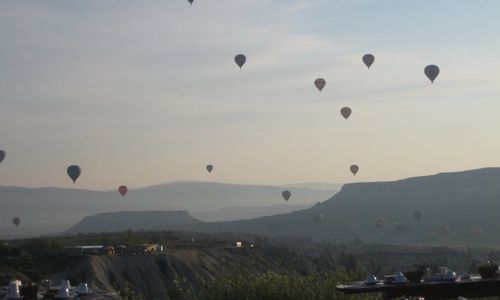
(460, 207)
(201, 266)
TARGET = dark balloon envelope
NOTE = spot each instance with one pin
(74, 172)
(123, 190)
(286, 195)
(210, 168)
(320, 84)
(368, 60)
(346, 112)
(190, 2)
(240, 60)
(2, 155)
(432, 72)
(477, 231)
(318, 218)
(380, 223)
(444, 230)
(16, 221)
(354, 169)
(418, 214)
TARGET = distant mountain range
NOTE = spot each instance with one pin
(325, 186)
(461, 207)
(244, 212)
(53, 210)
(137, 220)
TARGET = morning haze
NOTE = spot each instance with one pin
(147, 92)
(249, 149)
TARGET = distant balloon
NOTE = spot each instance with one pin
(210, 168)
(2, 155)
(190, 2)
(74, 172)
(477, 231)
(240, 60)
(286, 195)
(418, 214)
(444, 230)
(123, 190)
(318, 218)
(16, 221)
(368, 59)
(432, 72)
(380, 223)
(354, 169)
(346, 112)
(320, 83)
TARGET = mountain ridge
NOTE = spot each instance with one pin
(459, 201)
(42, 208)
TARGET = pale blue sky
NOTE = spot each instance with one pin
(144, 92)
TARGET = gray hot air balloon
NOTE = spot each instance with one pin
(286, 195)
(380, 223)
(432, 72)
(16, 221)
(354, 169)
(74, 172)
(444, 230)
(210, 168)
(318, 218)
(477, 231)
(190, 2)
(240, 60)
(320, 83)
(418, 214)
(346, 112)
(2, 155)
(368, 59)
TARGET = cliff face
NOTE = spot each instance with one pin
(461, 202)
(161, 276)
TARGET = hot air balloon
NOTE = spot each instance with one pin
(346, 112)
(190, 2)
(368, 59)
(2, 155)
(320, 83)
(354, 169)
(444, 230)
(418, 214)
(210, 168)
(240, 60)
(431, 71)
(477, 231)
(318, 218)
(123, 190)
(286, 195)
(74, 172)
(16, 221)
(380, 223)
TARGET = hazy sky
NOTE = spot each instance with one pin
(144, 92)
